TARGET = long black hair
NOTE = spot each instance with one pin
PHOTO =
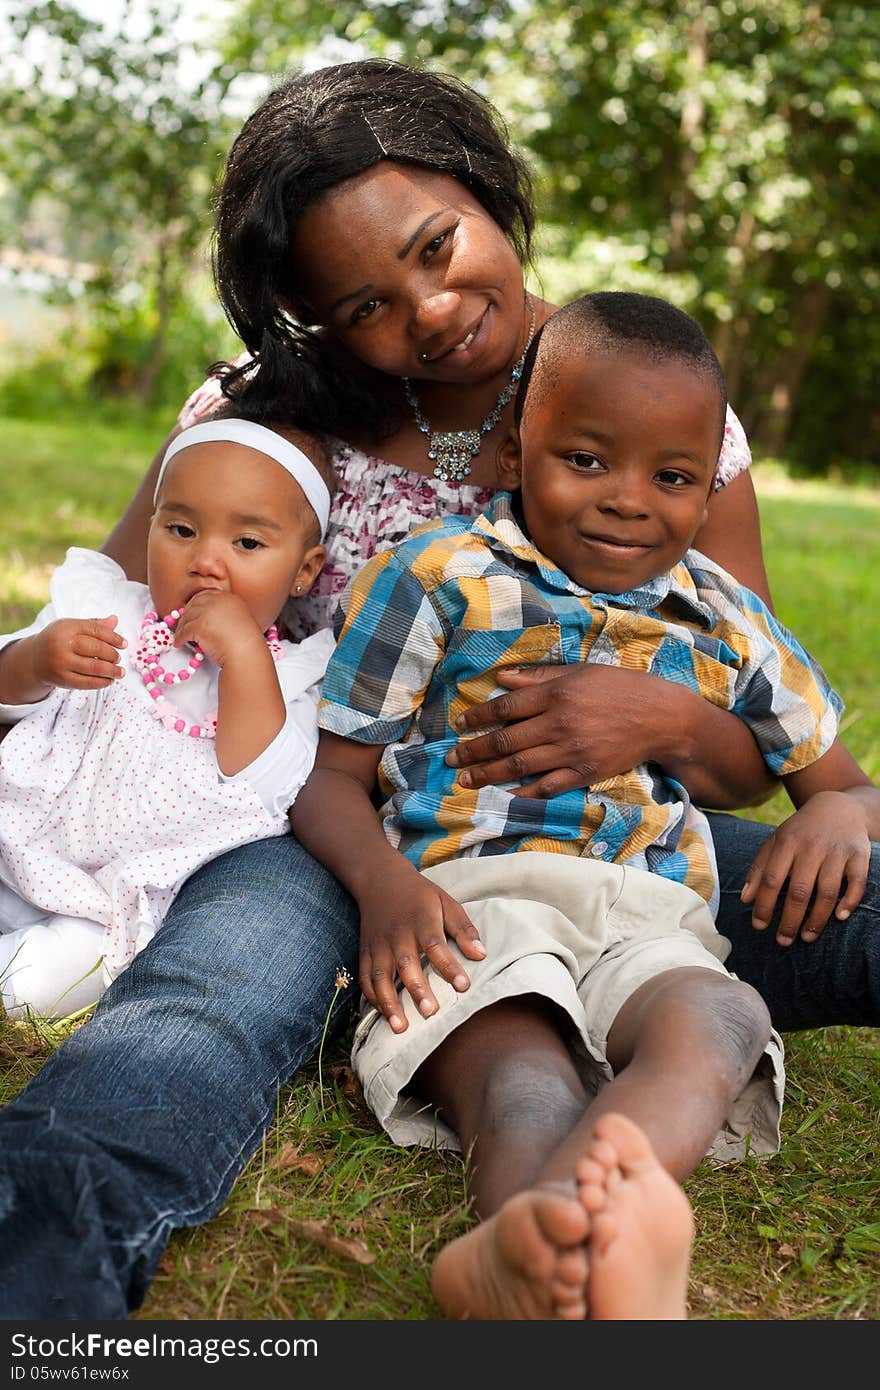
(311, 133)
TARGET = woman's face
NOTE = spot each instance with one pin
(412, 275)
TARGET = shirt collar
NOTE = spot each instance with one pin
(503, 531)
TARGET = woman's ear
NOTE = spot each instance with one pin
(510, 461)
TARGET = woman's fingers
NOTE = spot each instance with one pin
(518, 704)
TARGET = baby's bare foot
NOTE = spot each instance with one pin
(528, 1261)
(642, 1227)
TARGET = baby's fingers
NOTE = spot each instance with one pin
(105, 630)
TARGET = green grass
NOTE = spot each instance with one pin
(329, 1220)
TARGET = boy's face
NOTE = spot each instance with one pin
(231, 519)
(615, 458)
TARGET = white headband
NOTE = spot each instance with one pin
(254, 436)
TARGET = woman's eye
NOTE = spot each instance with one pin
(435, 244)
(363, 311)
(587, 463)
(249, 543)
(182, 532)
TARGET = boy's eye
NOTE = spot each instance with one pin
(180, 530)
(249, 543)
(587, 463)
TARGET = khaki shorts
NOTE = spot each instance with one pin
(582, 934)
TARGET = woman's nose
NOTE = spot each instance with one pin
(435, 313)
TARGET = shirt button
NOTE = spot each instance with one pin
(599, 848)
(603, 658)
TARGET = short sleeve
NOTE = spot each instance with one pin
(206, 397)
(784, 696)
(735, 456)
(389, 644)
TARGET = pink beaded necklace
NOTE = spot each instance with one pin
(154, 645)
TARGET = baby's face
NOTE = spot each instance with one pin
(615, 460)
(231, 519)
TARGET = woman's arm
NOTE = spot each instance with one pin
(731, 535)
(127, 542)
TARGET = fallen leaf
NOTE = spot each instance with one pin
(788, 1251)
(268, 1216)
(290, 1157)
(318, 1231)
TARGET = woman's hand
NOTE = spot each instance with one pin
(568, 726)
(403, 922)
(574, 726)
(815, 850)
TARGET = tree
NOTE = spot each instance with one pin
(726, 155)
(101, 125)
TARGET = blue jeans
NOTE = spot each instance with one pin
(140, 1123)
(143, 1119)
(835, 979)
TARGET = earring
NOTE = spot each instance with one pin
(299, 588)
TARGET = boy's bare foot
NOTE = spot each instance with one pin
(528, 1261)
(642, 1227)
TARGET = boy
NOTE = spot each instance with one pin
(597, 983)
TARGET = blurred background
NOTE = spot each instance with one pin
(725, 155)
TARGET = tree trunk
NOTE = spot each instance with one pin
(774, 422)
(683, 200)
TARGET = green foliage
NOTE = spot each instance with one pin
(110, 158)
(724, 155)
(734, 145)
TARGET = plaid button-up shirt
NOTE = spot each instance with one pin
(424, 628)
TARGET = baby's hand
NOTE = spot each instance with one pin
(79, 653)
(816, 849)
(410, 919)
(221, 624)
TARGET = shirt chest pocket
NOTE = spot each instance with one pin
(469, 670)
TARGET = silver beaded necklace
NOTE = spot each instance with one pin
(452, 451)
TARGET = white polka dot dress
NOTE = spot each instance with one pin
(104, 812)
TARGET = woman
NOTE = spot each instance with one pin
(383, 208)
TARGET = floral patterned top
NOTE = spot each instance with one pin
(378, 503)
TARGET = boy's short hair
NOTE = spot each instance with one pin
(610, 321)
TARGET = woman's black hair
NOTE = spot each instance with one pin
(311, 133)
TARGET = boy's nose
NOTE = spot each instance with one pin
(625, 498)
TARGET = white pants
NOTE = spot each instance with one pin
(49, 965)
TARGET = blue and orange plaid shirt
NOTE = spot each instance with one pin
(424, 628)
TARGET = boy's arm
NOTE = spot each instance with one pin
(403, 915)
(826, 843)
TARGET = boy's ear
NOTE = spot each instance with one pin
(510, 461)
